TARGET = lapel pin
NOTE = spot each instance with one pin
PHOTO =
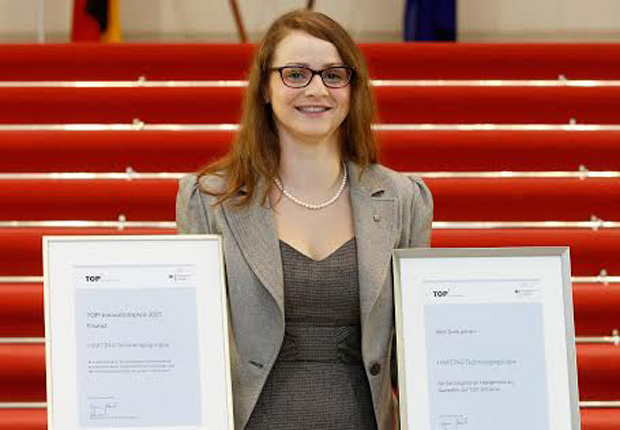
(376, 217)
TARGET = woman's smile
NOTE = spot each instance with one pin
(313, 111)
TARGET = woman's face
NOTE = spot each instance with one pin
(315, 112)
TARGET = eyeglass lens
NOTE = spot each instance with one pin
(335, 77)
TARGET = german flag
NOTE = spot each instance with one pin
(96, 21)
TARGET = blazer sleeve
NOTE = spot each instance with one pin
(421, 214)
(417, 235)
(193, 214)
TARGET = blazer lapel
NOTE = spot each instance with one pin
(253, 228)
(374, 219)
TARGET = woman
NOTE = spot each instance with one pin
(308, 221)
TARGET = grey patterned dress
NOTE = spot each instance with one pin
(318, 381)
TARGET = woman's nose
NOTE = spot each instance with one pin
(316, 86)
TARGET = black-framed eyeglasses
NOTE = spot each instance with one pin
(300, 76)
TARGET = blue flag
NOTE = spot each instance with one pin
(430, 20)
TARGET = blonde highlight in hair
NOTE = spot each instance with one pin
(255, 151)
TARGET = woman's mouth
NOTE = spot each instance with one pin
(312, 109)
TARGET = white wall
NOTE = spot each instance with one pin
(212, 19)
(19, 19)
(367, 20)
(539, 20)
(199, 20)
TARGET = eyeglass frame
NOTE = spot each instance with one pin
(351, 70)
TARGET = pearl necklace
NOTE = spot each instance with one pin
(310, 205)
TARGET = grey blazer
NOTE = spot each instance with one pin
(390, 210)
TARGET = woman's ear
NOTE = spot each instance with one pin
(266, 96)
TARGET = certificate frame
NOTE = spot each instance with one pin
(186, 265)
(411, 267)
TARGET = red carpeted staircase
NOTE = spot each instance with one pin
(520, 145)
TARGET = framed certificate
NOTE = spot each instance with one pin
(485, 339)
(136, 333)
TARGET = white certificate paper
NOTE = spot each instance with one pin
(136, 333)
(485, 339)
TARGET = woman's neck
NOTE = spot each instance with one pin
(311, 168)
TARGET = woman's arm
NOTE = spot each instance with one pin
(421, 215)
(192, 214)
(419, 219)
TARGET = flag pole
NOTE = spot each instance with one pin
(243, 36)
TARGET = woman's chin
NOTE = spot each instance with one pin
(311, 133)
(315, 135)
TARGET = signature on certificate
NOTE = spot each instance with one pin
(453, 422)
(101, 408)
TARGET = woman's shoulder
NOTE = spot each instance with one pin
(195, 209)
(205, 183)
(404, 185)
(415, 202)
(203, 186)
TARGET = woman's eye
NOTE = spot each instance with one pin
(296, 74)
(334, 77)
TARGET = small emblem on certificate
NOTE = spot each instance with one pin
(485, 339)
(136, 333)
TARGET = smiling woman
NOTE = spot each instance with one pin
(257, 145)
(306, 109)
(309, 221)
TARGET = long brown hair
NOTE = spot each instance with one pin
(255, 151)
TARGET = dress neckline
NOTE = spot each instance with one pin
(330, 255)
